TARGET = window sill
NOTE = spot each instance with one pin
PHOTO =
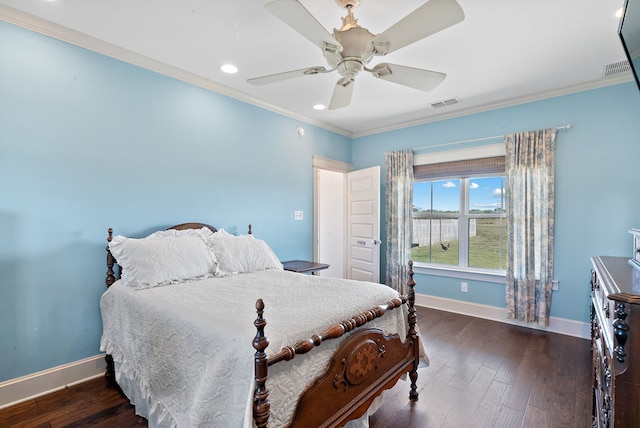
(497, 277)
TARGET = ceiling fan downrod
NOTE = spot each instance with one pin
(348, 3)
(348, 21)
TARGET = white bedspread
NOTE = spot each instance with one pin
(183, 352)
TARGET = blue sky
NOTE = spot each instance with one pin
(484, 193)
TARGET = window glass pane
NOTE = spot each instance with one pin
(421, 196)
(487, 239)
(486, 195)
(446, 196)
(421, 246)
(435, 240)
(444, 241)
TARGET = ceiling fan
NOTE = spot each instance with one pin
(350, 49)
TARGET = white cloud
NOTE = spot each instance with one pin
(449, 184)
(497, 192)
(473, 185)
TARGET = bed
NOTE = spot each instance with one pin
(186, 309)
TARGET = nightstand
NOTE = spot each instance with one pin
(302, 266)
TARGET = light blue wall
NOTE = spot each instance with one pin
(87, 143)
(596, 182)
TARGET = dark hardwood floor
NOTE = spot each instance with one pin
(482, 374)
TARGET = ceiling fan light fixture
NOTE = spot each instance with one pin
(355, 41)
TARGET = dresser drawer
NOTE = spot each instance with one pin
(603, 391)
(603, 309)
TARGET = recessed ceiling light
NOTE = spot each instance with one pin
(319, 107)
(229, 68)
(619, 13)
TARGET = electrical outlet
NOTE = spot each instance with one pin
(298, 215)
(554, 284)
(464, 287)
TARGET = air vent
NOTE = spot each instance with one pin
(616, 68)
(445, 103)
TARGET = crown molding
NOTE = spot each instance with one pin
(567, 90)
(51, 29)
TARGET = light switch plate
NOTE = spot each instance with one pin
(298, 215)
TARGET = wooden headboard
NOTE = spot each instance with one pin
(113, 269)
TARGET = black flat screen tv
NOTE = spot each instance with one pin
(629, 32)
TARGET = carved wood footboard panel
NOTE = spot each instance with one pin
(365, 365)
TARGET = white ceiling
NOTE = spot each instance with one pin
(505, 52)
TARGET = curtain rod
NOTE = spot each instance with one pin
(460, 143)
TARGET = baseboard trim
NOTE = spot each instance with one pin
(28, 387)
(556, 325)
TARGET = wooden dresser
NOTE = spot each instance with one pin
(615, 342)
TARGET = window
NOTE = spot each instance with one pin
(459, 217)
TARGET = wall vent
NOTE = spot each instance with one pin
(445, 103)
(616, 68)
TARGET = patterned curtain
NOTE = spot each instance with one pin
(530, 210)
(399, 208)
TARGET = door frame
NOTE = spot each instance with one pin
(331, 165)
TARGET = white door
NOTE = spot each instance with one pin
(363, 224)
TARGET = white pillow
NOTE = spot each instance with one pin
(163, 258)
(241, 254)
(205, 232)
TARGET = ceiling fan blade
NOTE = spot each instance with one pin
(342, 94)
(279, 77)
(428, 19)
(417, 78)
(294, 14)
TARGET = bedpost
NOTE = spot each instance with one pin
(110, 373)
(250, 232)
(413, 334)
(111, 278)
(261, 405)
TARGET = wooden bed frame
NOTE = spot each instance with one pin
(366, 364)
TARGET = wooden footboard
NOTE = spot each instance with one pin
(365, 365)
